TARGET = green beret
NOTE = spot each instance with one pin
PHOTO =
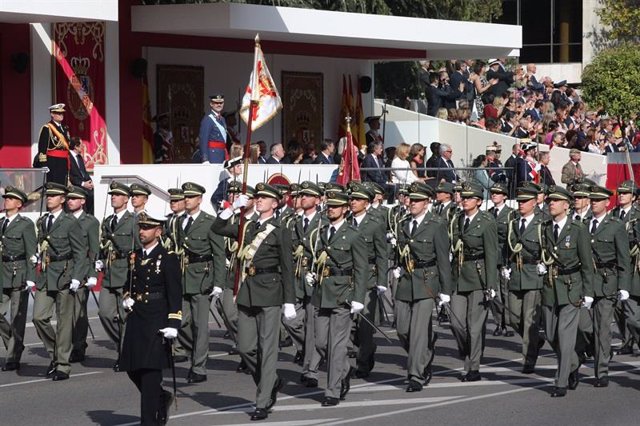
(74, 191)
(118, 188)
(266, 190)
(420, 191)
(192, 189)
(138, 189)
(175, 194)
(13, 192)
(53, 188)
(337, 199)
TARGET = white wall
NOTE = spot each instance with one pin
(228, 72)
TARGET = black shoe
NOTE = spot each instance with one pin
(345, 385)
(330, 401)
(574, 379)
(76, 356)
(196, 378)
(414, 386)
(359, 374)
(226, 335)
(303, 378)
(602, 382)
(51, 369)
(528, 369)
(352, 354)
(116, 366)
(166, 399)
(180, 358)
(260, 414)
(11, 366)
(59, 375)
(233, 350)
(497, 331)
(286, 342)
(472, 376)
(242, 367)
(625, 350)
(274, 392)
(427, 375)
(299, 357)
(312, 383)
(507, 333)
(558, 392)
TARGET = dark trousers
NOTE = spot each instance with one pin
(149, 383)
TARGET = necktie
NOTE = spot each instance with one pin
(523, 225)
(4, 225)
(594, 226)
(466, 224)
(495, 213)
(189, 223)
(144, 254)
(556, 232)
(114, 222)
(81, 166)
(277, 213)
(49, 223)
(577, 218)
(355, 222)
(439, 209)
(622, 214)
(306, 224)
(414, 227)
(332, 232)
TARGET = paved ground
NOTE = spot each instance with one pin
(97, 395)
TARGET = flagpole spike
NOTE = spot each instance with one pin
(257, 39)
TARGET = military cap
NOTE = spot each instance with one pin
(236, 188)
(360, 191)
(457, 187)
(491, 148)
(251, 192)
(493, 62)
(175, 194)
(574, 151)
(282, 188)
(446, 187)
(309, 188)
(581, 189)
(150, 220)
(499, 188)
(544, 148)
(232, 162)
(139, 189)
(556, 192)
(57, 108)
(560, 84)
(472, 190)
(216, 97)
(599, 193)
(266, 190)
(527, 191)
(333, 187)
(53, 188)
(371, 118)
(13, 192)
(403, 190)
(420, 191)
(119, 188)
(192, 189)
(527, 146)
(294, 189)
(628, 186)
(544, 188)
(533, 185)
(74, 191)
(337, 199)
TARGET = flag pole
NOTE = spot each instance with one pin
(245, 171)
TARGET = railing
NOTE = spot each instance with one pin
(31, 181)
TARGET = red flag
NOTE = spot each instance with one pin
(360, 138)
(147, 131)
(349, 168)
(344, 109)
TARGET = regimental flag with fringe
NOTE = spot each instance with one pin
(147, 131)
(349, 168)
(360, 138)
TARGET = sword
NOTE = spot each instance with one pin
(215, 318)
(375, 327)
(225, 319)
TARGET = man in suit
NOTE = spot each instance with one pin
(262, 147)
(372, 164)
(163, 151)
(64, 264)
(524, 272)
(532, 81)
(572, 171)
(18, 245)
(327, 148)
(76, 200)
(213, 132)
(505, 78)
(511, 164)
(266, 289)
(118, 240)
(424, 275)
(570, 286)
(373, 135)
(446, 170)
(203, 275)
(277, 154)
(545, 174)
(53, 146)
(78, 174)
(439, 92)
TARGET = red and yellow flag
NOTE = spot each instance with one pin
(147, 131)
(360, 138)
(349, 168)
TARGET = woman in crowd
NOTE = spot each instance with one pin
(402, 172)
(416, 154)
(482, 176)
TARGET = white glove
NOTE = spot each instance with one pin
(216, 292)
(169, 332)
(491, 294)
(98, 265)
(541, 268)
(75, 285)
(397, 272)
(241, 201)
(356, 307)
(393, 242)
(35, 259)
(623, 295)
(226, 213)
(289, 311)
(227, 262)
(310, 277)
(444, 298)
(588, 300)
(91, 282)
(390, 235)
(381, 289)
(505, 273)
(29, 285)
(127, 303)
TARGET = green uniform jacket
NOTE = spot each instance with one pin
(524, 269)
(116, 258)
(429, 244)
(19, 239)
(479, 240)
(171, 227)
(199, 277)
(307, 240)
(346, 251)
(271, 288)
(573, 250)
(633, 233)
(91, 228)
(502, 223)
(610, 245)
(373, 228)
(66, 238)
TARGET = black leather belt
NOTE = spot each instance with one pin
(143, 297)
(531, 261)
(372, 261)
(252, 270)
(568, 271)
(194, 258)
(14, 258)
(473, 256)
(54, 258)
(599, 265)
(424, 264)
(330, 271)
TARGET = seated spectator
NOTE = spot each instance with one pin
(432, 162)
(401, 168)
(442, 114)
(416, 159)
(558, 139)
(372, 164)
(552, 127)
(482, 175)
(294, 155)
(327, 148)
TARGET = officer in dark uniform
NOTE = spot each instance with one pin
(64, 264)
(213, 132)
(203, 275)
(424, 275)
(76, 201)
(118, 239)
(475, 274)
(266, 287)
(524, 272)
(53, 147)
(567, 252)
(153, 302)
(18, 245)
(340, 281)
(233, 170)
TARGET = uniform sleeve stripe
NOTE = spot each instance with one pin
(177, 316)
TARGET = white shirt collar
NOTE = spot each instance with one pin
(10, 219)
(527, 219)
(419, 219)
(78, 213)
(146, 251)
(336, 226)
(560, 224)
(56, 215)
(120, 214)
(310, 217)
(472, 216)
